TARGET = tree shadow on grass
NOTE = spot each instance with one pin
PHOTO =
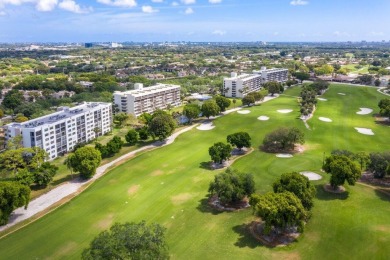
(205, 166)
(322, 194)
(245, 239)
(204, 207)
(383, 194)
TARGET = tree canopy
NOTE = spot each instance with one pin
(297, 184)
(342, 169)
(131, 137)
(129, 241)
(85, 160)
(220, 152)
(161, 125)
(283, 138)
(12, 196)
(191, 111)
(222, 102)
(240, 139)
(210, 108)
(273, 87)
(279, 210)
(384, 106)
(248, 100)
(232, 186)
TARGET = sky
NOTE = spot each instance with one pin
(194, 20)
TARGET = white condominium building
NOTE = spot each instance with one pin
(148, 99)
(58, 133)
(240, 86)
(276, 74)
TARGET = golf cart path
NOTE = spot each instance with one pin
(76, 186)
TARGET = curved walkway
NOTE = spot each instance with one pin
(73, 187)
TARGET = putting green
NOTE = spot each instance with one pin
(169, 185)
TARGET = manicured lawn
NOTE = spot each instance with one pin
(352, 69)
(169, 185)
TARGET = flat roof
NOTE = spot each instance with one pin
(65, 113)
(244, 77)
(147, 90)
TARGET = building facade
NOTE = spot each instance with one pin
(58, 133)
(141, 100)
(276, 74)
(240, 86)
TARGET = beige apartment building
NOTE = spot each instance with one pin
(148, 99)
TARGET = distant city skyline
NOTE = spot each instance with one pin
(193, 20)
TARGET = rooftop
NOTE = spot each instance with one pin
(148, 90)
(66, 112)
(243, 77)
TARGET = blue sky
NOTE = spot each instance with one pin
(193, 20)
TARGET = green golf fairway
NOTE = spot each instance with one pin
(169, 186)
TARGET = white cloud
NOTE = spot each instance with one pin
(215, 1)
(157, 1)
(120, 3)
(2, 13)
(175, 4)
(149, 9)
(276, 33)
(188, 2)
(46, 5)
(299, 2)
(72, 6)
(189, 10)
(219, 32)
(377, 33)
(340, 34)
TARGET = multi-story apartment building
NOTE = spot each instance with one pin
(276, 74)
(58, 133)
(240, 86)
(148, 99)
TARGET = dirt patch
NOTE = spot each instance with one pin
(182, 198)
(382, 228)
(274, 239)
(338, 190)
(105, 223)
(64, 250)
(133, 190)
(157, 173)
(216, 204)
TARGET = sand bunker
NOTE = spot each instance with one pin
(312, 176)
(343, 94)
(365, 131)
(263, 118)
(284, 155)
(364, 111)
(325, 119)
(206, 126)
(243, 112)
(322, 99)
(285, 111)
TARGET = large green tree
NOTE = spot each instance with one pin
(283, 138)
(273, 87)
(239, 139)
(301, 76)
(191, 111)
(342, 169)
(232, 186)
(210, 108)
(13, 99)
(44, 174)
(222, 102)
(248, 100)
(131, 137)
(384, 106)
(12, 196)
(279, 210)
(379, 164)
(85, 160)
(129, 241)
(297, 184)
(162, 125)
(220, 152)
